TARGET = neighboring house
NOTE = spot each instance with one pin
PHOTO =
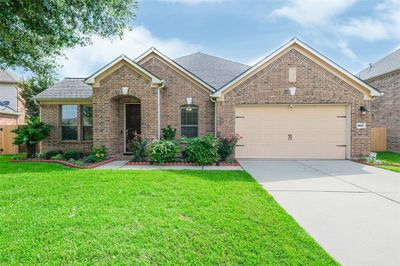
(385, 76)
(295, 103)
(12, 110)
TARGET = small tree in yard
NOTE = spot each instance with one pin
(31, 134)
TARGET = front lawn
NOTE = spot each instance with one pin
(389, 158)
(50, 214)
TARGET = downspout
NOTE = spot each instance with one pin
(215, 115)
(159, 109)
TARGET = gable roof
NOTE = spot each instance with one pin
(181, 68)
(389, 63)
(278, 52)
(68, 88)
(8, 77)
(214, 70)
(154, 79)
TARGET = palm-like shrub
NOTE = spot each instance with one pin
(31, 134)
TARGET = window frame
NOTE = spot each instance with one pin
(83, 122)
(196, 126)
(76, 119)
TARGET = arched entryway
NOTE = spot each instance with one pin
(126, 122)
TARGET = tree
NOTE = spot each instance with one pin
(32, 87)
(31, 134)
(33, 34)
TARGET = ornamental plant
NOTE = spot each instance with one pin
(226, 146)
(31, 134)
(138, 147)
(202, 150)
(97, 155)
(169, 133)
(162, 151)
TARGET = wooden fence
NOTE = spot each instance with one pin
(378, 139)
(6, 140)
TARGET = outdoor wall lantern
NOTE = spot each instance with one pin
(124, 90)
(292, 90)
(363, 110)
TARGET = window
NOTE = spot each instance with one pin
(69, 122)
(87, 122)
(189, 121)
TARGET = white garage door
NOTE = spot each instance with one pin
(291, 131)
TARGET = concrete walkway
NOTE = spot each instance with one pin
(351, 209)
(122, 165)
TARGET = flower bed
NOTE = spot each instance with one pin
(72, 165)
(375, 164)
(185, 163)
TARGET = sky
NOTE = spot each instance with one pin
(352, 33)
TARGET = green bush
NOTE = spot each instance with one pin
(48, 155)
(72, 154)
(202, 150)
(77, 162)
(138, 147)
(57, 157)
(162, 151)
(93, 159)
(169, 133)
(227, 145)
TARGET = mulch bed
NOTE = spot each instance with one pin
(371, 164)
(183, 163)
(72, 165)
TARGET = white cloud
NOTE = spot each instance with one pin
(345, 49)
(312, 12)
(192, 2)
(384, 25)
(83, 61)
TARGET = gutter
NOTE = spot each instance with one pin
(215, 115)
(159, 109)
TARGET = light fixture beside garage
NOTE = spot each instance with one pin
(363, 110)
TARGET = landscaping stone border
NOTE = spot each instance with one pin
(182, 163)
(72, 165)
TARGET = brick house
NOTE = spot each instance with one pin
(12, 109)
(385, 76)
(295, 103)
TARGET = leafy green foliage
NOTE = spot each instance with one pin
(138, 147)
(31, 134)
(77, 162)
(202, 150)
(93, 159)
(227, 145)
(89, 217)
(72, 154)
(169, 133)
(48, 155)
(33, 34)
(389, 157)
(32, 87)
(57, 157)
(162, 151)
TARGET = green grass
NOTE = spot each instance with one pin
(50, 214)
(389, 158)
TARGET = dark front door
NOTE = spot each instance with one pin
(132, 123)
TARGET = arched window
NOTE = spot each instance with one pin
(189, 121)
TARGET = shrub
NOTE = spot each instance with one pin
(48, 155)
(77, 162)
(57, 157)
(72, 154)
(93, 159)
(138, 148)
(227, 145)
(202, 150)
(169, 133)
(162, 151)
(31, 134)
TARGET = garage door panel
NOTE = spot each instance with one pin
(316, 131)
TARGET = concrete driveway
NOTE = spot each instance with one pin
(350, 209)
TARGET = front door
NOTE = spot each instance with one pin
(132, 123)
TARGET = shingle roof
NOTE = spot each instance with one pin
(387, 64)
(7, 77)
(68, 88)
(211, 69)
